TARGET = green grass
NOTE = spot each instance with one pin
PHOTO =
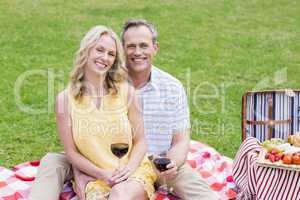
(217, 48)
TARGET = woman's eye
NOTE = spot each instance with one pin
(130, 47)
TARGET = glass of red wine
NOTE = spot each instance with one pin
(119, 150)
(161, 162)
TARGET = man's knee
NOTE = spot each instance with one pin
(190, 185)
(54, 169)
(55, 163)
(55, 159)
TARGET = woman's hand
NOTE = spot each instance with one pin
(107, 175)
(122, 174)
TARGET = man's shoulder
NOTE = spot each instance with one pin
(165, 78)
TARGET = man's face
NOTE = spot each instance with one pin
(139, 48)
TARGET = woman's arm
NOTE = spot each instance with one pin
(136, 119)
(64, 125)
(139, 148)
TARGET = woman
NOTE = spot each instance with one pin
(98, 109)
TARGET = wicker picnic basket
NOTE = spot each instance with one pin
(270, 113)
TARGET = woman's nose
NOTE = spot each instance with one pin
(104, 56)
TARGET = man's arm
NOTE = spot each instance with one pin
(180, 147)
(181, 134)
(181, 130)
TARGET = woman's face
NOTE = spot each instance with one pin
(102, 55)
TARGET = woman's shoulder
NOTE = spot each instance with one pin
(126, 90)
(62, 100)
(62, 95)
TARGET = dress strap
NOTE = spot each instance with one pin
(124, 87)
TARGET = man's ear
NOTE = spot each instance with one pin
(156, 47)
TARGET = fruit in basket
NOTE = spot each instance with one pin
(272, 144)
(275, 141)
(296, 158)
(274, 155)
(267, 155)
(278, 156)
(271, 158)
(287, 159)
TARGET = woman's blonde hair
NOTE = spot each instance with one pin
(117, 73)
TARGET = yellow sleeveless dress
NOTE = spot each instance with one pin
(95, 129)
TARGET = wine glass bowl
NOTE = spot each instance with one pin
(119, 149)
(161, 163)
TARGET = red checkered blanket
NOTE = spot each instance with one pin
(216, 170)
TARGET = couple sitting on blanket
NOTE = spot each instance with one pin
(102, 106)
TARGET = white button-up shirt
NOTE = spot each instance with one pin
(165, 110)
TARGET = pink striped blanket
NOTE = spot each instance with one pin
(216, 170)
(262, 183)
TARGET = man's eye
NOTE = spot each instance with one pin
(144, 46)
(112, 54)
(100, 50)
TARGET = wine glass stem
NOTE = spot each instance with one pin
(165, 186)
(119, 163)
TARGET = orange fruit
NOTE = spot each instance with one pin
(287, 159)
(296, 159)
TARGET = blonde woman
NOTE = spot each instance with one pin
(97, 110)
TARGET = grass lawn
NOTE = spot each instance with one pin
(218, 48)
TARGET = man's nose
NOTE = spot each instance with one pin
(137, 51)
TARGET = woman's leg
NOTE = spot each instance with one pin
(128, 190)
(96, 190)
(95, 196)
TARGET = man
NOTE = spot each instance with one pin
(166, 121)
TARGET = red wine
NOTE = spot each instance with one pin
(161, 163)
(119, 149)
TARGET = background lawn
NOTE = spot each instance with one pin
(218, 48)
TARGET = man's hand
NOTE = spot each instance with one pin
(171, 172)
(81, 180)
(122, 174)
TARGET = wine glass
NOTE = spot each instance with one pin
(119, 149)
(161, 161)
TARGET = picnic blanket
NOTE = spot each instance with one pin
(216, 170)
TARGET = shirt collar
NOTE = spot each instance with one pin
(153, 83)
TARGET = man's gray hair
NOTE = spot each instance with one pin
(140, 22)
